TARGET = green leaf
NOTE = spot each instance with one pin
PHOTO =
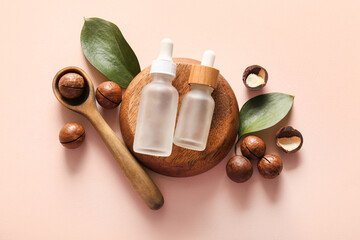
(107, 50)
(264, 111)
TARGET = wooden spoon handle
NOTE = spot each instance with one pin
(137, 176)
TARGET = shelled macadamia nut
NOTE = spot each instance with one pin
(289, 139)
(255, 77)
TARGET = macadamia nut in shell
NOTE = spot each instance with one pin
(108, 95)
(72, 135)
(253, 147)
(71, 85)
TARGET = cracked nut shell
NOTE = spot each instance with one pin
(108, 95)
(270, 166)
(253, 147)
(71, 85)
(255, 77)
(289, 139)
(72, 135)
(239, 169)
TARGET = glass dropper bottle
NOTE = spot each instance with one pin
(197, 108)
(158, 107)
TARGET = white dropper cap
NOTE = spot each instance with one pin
(208, 58)
(166, 50)
(164, 64)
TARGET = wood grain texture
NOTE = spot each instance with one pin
(204, 75)
(85, 105)
(184, 162)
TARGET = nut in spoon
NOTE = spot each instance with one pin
(85, 105)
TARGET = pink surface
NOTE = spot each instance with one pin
(311, 49)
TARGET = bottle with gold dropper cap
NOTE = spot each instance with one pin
(197, 108)
(158, 107)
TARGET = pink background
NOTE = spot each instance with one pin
(311, 49)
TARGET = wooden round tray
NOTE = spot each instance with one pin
(184, 162)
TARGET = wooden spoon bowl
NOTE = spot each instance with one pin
(80, 103)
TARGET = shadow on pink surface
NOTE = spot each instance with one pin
(254, 93)
(75, 157)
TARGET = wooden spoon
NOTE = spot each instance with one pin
(85, 105)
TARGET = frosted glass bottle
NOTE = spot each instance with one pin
(197, 107)
(158, 107)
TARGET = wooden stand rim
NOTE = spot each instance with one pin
(184, 162)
